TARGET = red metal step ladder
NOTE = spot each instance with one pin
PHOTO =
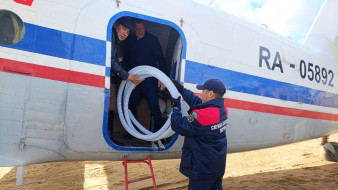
(125, 163)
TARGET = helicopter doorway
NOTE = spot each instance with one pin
(170, 40)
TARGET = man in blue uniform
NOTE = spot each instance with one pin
(144, 48)
(205, 143)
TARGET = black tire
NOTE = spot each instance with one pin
(329, 155)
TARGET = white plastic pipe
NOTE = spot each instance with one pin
(126, 117)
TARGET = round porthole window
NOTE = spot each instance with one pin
(12, 28)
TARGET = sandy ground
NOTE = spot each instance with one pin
(296, 166)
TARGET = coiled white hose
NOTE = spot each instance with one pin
(127, 118)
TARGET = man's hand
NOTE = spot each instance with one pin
(176, 102)
(160, 85)
(178, 86)
(133, 78)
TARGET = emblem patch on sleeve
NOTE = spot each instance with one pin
(191, 118)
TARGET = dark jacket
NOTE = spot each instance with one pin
(144, 51)
(115, 66)
(205, 142)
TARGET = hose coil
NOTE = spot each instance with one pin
(127, 118)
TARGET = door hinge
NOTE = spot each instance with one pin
(22, 143)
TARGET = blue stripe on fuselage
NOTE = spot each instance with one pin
(47, 41)
(197, 73)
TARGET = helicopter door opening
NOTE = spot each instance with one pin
(171, 45)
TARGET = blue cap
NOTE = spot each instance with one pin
(214, 85)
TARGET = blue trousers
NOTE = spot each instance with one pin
(148, 89)
(205, 184)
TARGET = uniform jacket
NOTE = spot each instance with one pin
(205, 143)
(144, 51)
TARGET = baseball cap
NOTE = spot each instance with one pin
(214, 85)
(125, 22)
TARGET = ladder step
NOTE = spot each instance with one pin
(148, 162)
(139, 179)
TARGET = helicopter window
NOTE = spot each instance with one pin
(12, 28)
